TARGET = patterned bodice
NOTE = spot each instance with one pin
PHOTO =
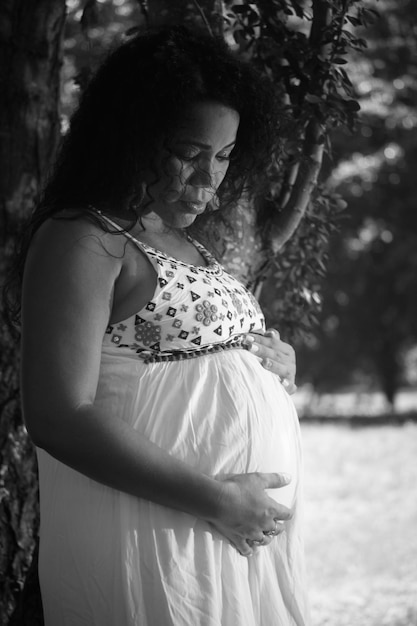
(193, 309)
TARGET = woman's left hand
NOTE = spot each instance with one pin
(275, 355)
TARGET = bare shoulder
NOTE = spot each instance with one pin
(65, 234)
(76, 265)
(70, 262)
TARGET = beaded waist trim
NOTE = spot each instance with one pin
(178, 355)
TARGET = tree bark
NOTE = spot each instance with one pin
(30, 60)
(301, 179)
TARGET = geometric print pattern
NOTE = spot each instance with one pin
(193, 307)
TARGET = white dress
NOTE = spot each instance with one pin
(177, 373)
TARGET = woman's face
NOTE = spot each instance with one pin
(193, 164)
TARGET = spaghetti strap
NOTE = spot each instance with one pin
(150, 251)
(121, 230)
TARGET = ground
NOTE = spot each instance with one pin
(361, 523)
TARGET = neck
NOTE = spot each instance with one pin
(152, 223)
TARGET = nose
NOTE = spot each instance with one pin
(206, 175)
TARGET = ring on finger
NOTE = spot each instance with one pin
(267, 363)
(275, 531)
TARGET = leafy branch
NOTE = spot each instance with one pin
(302, 47)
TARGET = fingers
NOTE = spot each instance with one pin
(278, 528)
(285, 375)
(263, 540)
(271, 338)
(274, 480)
(272, 332)
(289, 387)
(243, 546)
(247, 547)
(268, 535)
(275, 355)
(249, 517)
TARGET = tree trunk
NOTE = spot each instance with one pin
(30, 60)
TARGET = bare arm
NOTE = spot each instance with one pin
(67, 300)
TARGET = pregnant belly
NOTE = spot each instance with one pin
(222, 413)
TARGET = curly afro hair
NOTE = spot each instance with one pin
(135, 100)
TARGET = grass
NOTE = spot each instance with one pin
(361, 524)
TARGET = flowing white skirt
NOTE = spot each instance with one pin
(110, 559)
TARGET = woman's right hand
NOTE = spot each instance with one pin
(246, 512)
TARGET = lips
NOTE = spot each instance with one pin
(194, 207)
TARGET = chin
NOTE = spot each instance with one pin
(186, 220)
(182, 219)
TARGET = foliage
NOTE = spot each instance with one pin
(370, 304)
(303, 47)
(303, 264)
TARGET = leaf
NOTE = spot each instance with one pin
(353, 20)
(339, 61)
(361, 43)
(345, 78)
(313, 99)
(352, 105)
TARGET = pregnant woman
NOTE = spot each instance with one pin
(169, 456)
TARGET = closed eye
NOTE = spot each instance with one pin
(223, 157)
(187, 155)
(187, 152)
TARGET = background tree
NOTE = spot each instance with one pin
(370, 299)
(30, 59)
(301, 45)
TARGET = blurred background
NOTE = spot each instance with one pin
(358, 374)
(368, 332)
